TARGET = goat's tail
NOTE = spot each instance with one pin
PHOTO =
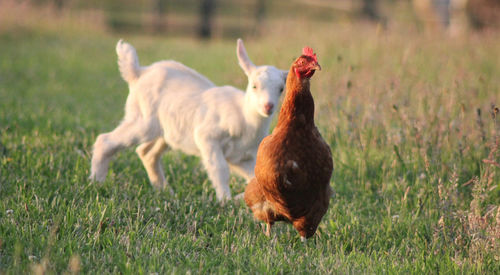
(128, 62)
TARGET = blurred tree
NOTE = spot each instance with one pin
(59, 4)
(442, 8)
(260, 14)
(369, 10)
(207, 9)
(484, 13)
(433, 14)
(260, 10)
(159, 11)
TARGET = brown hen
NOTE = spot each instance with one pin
(294, 163)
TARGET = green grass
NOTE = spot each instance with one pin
(399, 110)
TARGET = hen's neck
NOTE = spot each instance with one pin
(298, 106)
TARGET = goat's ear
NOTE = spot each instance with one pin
(245, 62)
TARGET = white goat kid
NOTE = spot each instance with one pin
(171, 106)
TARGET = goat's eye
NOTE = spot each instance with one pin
(281, 90)
(254, 87)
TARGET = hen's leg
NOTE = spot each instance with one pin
(302, 226)
(150, 154)
(268, 229)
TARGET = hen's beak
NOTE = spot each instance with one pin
(317, 67)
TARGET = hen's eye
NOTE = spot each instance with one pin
(254, 87)
(281, 90)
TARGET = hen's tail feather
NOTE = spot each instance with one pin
(128, 62)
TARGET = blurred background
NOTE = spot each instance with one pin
(408, 98)
(207, 19)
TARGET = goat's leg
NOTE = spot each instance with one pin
(218, 173)
(150, 154)
(245, 169)
(216, 166)
(127, 134)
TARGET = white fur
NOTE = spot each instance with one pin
(171, 106)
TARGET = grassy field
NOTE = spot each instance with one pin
(410, 119)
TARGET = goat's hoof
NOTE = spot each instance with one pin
(240, 196)
(94, 178)
(163, 187)
(170, 190)
(224, 200)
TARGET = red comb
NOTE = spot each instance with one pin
(308, 51)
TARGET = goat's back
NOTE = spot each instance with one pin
(158, 81)
(172, 76)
